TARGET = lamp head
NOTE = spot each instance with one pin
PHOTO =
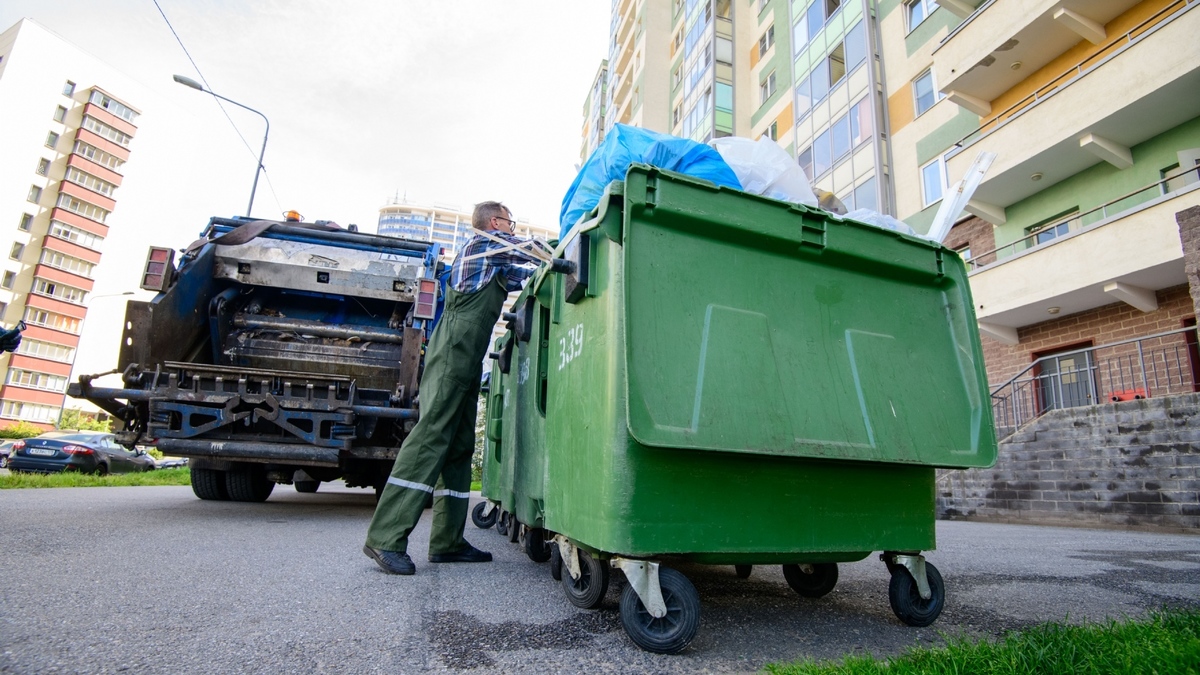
(188, 82)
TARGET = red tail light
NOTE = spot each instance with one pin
(77, 450)
(19, 445)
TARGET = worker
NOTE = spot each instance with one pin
(436, 457)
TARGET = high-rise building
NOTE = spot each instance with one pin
(594, 111)
(63, 141)
(802, 73)
(1093, 112)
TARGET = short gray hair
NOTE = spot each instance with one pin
(485, 211)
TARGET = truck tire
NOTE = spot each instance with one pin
(209, 484)
(248, 483)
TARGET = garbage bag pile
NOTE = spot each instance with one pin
(759, 167)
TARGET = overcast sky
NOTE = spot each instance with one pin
(448, 102)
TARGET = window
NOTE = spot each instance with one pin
(933, 181)
(3, 309)
(58, 290)
(803, 98)
(822, 155)
(75, 235)
(819, 80)
(106, 131)
(80, 207)
(860, 122)
(26, 222)
(676, 114)
(800, 34)
(35, 380)
(1175, 178)
(768, 87)
(925, 93)
(90, 182)
(60, 114)
(766, 41)
(67, 263)
(59, 322)
(46, 350)
(1051, 228)
(832, 6)
(772, 131)
(837, 65)
(35, 194)
(18, 250)
(97, 155)
(840, 134)
(856, 45)
(43, 166)
(112, 105)
(815, 18)
(677, 76)
(8, 280)
(964, 252)
(31, 412)
(917, 11)
(864, 195)
(69, 88)
(805, 161)
(52, 140)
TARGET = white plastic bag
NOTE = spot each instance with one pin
(884, 221)
(764, 168)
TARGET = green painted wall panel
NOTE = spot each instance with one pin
(940, 139)
(929, 29)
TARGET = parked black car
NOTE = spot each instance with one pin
(5, 451)
(85, 451)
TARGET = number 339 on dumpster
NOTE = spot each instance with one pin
(570, 346)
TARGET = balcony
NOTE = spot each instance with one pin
(1086, 261)
(1141, 85)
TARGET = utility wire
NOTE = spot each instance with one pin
(205, 81)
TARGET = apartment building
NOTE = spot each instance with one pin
(595, 108)
(63, 141)
(1093, 112)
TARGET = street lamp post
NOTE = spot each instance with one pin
(189, 82)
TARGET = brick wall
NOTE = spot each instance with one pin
(1189, 235)
(1100, 326)
(977, 233)
(1131, 464)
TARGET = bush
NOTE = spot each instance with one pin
(20, 430)
(75, 419)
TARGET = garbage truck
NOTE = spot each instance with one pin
(711, 377)
(275, 352)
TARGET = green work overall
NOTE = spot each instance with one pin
(436, 456)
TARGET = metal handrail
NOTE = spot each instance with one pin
(1130, 37)
(1149, 374)
(974, 262)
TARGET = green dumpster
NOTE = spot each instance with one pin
(730, 379)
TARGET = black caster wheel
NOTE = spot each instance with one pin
(514, 528)
(906, 600)
(586, 592)
(502, 524)
(811, 581)
(556, 563)
(481, 521)
(534, 544)
(671, 633)
(743, 571)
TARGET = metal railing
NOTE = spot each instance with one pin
(1073, 74)
(1155, 365)
(1078, 221)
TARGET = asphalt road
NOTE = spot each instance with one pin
(153, 580)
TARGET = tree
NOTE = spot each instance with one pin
(76, 419)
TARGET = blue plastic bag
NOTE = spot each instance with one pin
(625, 145)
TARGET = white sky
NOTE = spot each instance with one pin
(448, 102)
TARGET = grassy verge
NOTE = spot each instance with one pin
(476, 485)
(73, 479)
(1166, 642)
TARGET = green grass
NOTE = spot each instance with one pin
(476, 485)
(1166, 642)
(179, 476)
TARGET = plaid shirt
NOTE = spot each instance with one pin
(472, 275)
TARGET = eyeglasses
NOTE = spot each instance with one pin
(510, 221)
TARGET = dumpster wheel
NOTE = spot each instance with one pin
(671, 633)
(556, 563)
(906, 600)
(743, 571)
(481, 521)
(587, 592)
(502, 524)
(811, 581)
(533, 542)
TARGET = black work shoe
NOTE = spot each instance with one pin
(468, 554)
(391, 562)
